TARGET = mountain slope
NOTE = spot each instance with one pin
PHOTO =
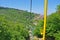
(16, 15)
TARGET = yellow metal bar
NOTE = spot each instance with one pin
(45, 17)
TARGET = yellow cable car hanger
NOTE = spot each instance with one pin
(45, 17)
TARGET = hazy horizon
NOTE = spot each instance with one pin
(37, 6)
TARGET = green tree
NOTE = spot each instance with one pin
(53, 26)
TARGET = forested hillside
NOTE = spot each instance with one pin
(14, 24)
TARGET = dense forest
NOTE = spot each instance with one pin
(14, 24)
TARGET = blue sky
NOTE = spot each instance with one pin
(38, 5)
